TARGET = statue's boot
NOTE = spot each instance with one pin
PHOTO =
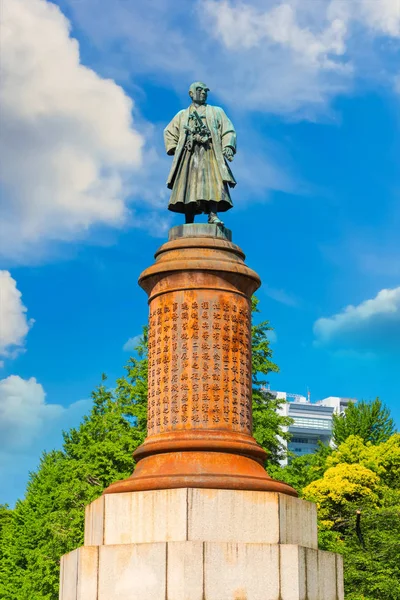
(213, 219)
(189, 217)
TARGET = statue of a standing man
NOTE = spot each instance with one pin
(202, 140)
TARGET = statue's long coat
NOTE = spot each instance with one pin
(222, 134)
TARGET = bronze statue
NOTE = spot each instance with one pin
(202, 140)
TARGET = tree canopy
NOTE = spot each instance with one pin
(369, 420)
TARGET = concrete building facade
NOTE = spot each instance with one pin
(312, 422)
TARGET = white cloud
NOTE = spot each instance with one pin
(68, 139)
(28, 426)
(243, 25)
(373, 325)
(280, 296)
(293, 57)
(382, 16)
(272, 336)
(131, 343)
(14, 324)
(289, 57)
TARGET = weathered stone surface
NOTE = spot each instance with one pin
(94, 523)
(339, 576)
(132, 572)
(69, 575)
(201, 571)
(202, 515)
(185, 570)
(151, 516)
(199, 230)
(297, 522)
(308, 574)
(79, 570)
(241, 571)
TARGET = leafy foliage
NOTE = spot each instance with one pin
(358, 500)
(269, 426)
(303, 470)
(49, 521)
(369, 420)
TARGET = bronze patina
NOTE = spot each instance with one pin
(202, 139)
(199, 427)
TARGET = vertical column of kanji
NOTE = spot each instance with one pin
(234, 365)
(195, 376)
(175, 380)
(185, 356)
(217, 384)
(152, 369)
(166, 365)
(242, 328)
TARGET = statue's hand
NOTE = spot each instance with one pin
(228, 153)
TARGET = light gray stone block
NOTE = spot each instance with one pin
(132, 572)
(78, 577)
(69, 575)
(149, 516)
(94, 523)
(185, 570)
(233, 516)
(297, 522)
(201, 571)
(201, 515)
(241, 571)
(292, 573)
(308, 574)
(339, 577)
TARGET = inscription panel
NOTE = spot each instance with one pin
(199, 363)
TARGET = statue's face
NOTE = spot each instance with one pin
(199, 96)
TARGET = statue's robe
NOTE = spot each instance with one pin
(201, 174)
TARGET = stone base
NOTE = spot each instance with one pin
(191, 514)
(199, 544)
(201, 571)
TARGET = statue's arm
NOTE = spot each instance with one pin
(228, 133)
(171, 135)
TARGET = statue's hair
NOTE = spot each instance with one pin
(195, 84)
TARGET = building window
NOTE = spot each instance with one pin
(310, 423)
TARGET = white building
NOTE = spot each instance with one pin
(312, 422)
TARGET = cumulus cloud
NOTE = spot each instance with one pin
(14, 324)
(373, 325)
(68, 140)
(287, 57)
(131, 343)
(280, 296)
(294, 57)
(29, 425)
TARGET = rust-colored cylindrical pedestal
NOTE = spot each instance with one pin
(200, 388)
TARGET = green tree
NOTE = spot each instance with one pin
(49, 521)
(303, 470)
(369, 420)
(372, 569)
(358, 499)
(269, 425)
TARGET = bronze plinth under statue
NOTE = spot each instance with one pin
(200, 385)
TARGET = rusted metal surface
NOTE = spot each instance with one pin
(199, 403)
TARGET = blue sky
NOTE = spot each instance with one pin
(313, 89)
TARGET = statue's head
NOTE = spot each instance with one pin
(198, 92)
